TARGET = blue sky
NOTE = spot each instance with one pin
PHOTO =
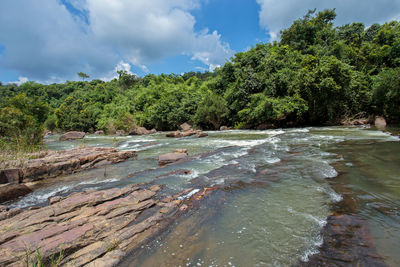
(53, 41)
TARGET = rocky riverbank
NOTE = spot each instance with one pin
(15, 176)
(90, 228)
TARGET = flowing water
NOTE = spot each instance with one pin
(279, 187)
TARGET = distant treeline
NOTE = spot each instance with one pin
(316, 74)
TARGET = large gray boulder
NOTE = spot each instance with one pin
(72, 136)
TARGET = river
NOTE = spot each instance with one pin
(279, 187)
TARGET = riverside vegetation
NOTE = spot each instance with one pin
(316, 74)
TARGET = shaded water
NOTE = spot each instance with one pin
(275, 214)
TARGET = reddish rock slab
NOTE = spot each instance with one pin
(54, 163)
(89, 228)
(169, 158)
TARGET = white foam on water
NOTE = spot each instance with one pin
(188, 195)
(313, 250)
(97, 181)
(39, 196)
(299, 130)
(273, 160)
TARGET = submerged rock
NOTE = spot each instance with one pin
(72, 136)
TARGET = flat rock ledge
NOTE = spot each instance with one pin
(54, 163)
(14, 180)
(90, 228)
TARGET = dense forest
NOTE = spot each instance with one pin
(316, 74)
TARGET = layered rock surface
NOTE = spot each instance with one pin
(53, 163)
(90, 228)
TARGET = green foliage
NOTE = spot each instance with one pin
(83, 75)
(316, 74)
(387, 93)
(21, 122)
(211, 111)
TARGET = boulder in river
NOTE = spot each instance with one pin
(100, 132)
(186, 127)
(188, 133)
(72, 136)
(142, 131)
(380, 122)
(175, 134)
(201, 134)
(169, 158)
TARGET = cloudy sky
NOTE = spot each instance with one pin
(52, 40)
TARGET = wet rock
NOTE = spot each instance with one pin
(181, 151)
(380, 122)
(72, 136)
(223, 128)
(171, 158)
(176, 172)
(188, 133)
(347, 242)
(266, 126)
(201, 134)
(12, 176)
(142, 131)
(186, 127)
(13, 191)
(175, 134)
(100, 132)
(120, 133)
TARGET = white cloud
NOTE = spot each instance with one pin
(47, 42)
(120, 66)
(21, 80)
(278, 15)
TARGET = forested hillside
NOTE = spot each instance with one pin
(316, 74)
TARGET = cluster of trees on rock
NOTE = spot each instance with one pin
(316, 74)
